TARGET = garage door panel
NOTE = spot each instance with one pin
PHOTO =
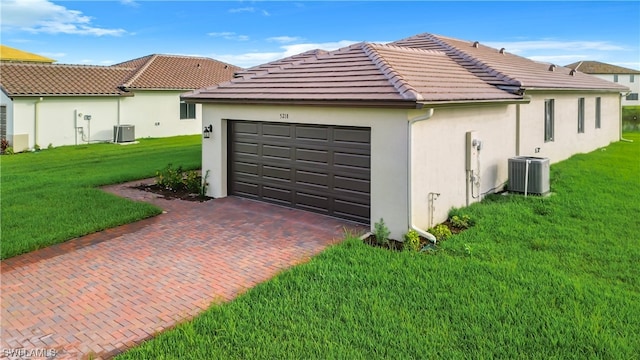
(276, 173)
(324, 169)
(317, 156)
(276, 130)
(355, 160)
(277, 194)
(274, 151)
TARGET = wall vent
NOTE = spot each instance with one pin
(123, 133)
(535, 175)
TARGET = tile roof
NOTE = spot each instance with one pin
(596, 67)
(417, 70)
(10, 54)
(176, 72)
(149, 72)
(61, 80)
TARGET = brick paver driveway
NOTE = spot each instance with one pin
(98, 295)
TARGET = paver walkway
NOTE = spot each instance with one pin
(95, 296)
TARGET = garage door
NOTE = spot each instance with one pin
(320, 168)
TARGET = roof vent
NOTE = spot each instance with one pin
(573, 72)
(552, 67)
(476, 44)
(502, 51)
(198, 65)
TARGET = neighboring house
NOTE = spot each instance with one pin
(77, 104)
(371, 131)
(9, 54)
(617, 74)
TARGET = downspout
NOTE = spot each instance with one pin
(517, 129)
(426, 116)
(620, 107)
(35, 121)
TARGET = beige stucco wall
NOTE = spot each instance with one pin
(157, 114)
(388, 150)
(439, 158)
(153, 113)
(567, 140)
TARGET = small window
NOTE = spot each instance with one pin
(598, 112)
(187, 111)
(632, 78)
(615, 78)
(632, 96)
(580, 115)
(548, 120)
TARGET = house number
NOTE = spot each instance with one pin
(284, 116)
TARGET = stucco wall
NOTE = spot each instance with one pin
(439, 158)
(567, 141)
(388, 150)
(157, 114)
(153, 113)
(625, 80)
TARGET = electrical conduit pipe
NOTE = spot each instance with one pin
(427, 115)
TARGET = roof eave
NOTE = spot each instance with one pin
(619, 90)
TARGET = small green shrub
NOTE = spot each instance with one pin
(381, 232)
(461, 222)
(192, 182)
(36, 147)
(50, 146)
(411, 241)
(8, 150)
(170, 178)
(441, 232)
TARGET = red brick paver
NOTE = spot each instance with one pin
(95, 296)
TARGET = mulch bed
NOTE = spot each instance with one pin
(180, 194)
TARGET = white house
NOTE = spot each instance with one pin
(401, 132)
(617, 74)
(75, 104)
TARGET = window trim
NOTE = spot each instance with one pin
(185, 114)
(549, 122)
(598, 112)
(632, 78)
(615, 78)
(581, 115)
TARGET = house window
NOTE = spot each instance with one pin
(632, 96)
(187, 111)
(632, 78)
(548, 120)
(3, 121)
(580, 115)
(598, 118)
(615, 78)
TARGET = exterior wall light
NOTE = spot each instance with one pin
(208, 130)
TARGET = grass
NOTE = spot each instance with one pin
(51, 196)
(535, 278)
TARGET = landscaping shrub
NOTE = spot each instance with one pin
(411, 241)
(381, 232)
(441, 232)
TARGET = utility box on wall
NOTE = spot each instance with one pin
(529, 175)
(123, 133)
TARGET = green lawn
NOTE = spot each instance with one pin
(50, 196)
(536, 278)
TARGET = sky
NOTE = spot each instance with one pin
(249, 33)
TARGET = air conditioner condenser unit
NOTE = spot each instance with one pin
(123, 133)
(530, 173)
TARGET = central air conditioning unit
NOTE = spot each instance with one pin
(123, 133)
(530, 174)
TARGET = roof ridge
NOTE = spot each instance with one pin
(139, 71)
(394, 77)
(475, 61)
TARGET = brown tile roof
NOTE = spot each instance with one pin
(507, 70)
(149, 72)
(383, 75)
(176, 72)
(417, 70)
(61, 80)
(596, 67)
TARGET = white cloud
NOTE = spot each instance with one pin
(244, 9)
(229, 36)
(250, 59)
(131, 3)
(518, 47)
(53, 55)
(43, 16)
(283, 39)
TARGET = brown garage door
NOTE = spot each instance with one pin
(320, 168)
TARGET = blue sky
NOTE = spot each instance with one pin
(248, 33)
